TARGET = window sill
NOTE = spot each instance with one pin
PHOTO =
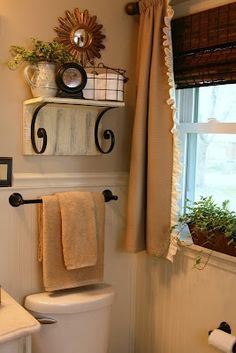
(213, 258)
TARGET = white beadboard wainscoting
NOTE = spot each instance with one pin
(20, 272)
(177, 304)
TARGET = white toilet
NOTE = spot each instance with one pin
(73, 321)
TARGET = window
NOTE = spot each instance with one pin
(207, 130)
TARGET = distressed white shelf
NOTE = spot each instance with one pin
(72, 101)
(65, 126)
(15, 321)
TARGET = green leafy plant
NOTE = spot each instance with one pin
(39, 51)
(206, 215)
(211, 226)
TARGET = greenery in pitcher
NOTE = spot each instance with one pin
(40, 51)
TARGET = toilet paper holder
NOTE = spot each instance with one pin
(222, 339)
(224, 326)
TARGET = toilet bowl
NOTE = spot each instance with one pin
(72, 321)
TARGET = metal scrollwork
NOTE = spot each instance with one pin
(41, 133)
(107, 134)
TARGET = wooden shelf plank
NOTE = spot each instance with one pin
(72, 101)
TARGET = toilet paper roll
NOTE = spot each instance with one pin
(222, 340)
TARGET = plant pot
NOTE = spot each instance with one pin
(215, 241)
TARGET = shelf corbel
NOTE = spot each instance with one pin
(42, 134)
(107, 134)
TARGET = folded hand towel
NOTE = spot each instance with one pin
(79, 234)
(55, 275)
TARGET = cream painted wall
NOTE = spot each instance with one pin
(21, 20)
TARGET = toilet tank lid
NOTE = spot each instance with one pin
(71, 300)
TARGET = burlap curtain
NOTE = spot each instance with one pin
(150, 184)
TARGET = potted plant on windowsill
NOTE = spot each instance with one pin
(211, 226)
(42, 58)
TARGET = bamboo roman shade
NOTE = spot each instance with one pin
(204, 47)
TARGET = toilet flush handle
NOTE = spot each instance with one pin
(46, 320)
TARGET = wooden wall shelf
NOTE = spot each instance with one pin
(68, 126)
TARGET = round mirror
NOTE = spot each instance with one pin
(81, 34)
(82, 38)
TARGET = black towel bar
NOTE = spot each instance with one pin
(17, 200)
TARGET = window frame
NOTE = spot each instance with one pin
(187, 110)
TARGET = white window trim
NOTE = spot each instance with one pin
(215, 259)
(187, 100)
(211, 127)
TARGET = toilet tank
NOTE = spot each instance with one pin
(80, 319)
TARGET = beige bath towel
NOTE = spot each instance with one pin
(79, 234)
(55, 275)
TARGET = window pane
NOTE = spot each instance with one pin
(186, 100)
(214, 167)
(217, 102)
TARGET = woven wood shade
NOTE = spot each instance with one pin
(204, 46)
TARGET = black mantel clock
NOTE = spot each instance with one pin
(71, 79)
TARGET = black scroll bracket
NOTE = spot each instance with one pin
(107, 134)
(17, 200)
(41, 133)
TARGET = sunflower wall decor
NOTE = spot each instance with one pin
(81, 34)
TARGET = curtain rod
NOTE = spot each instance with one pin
(132, 8)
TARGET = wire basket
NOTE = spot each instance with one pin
(104, 83)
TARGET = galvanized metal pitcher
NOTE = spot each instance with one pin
(41, 78)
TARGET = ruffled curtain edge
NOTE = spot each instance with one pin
(176, 171)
